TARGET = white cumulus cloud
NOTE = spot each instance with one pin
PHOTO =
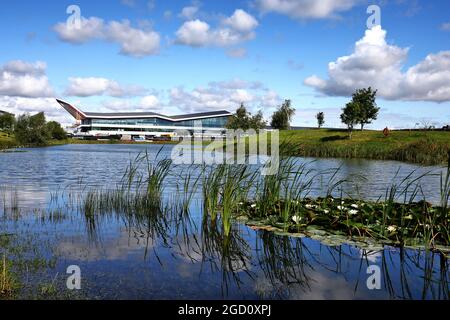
(91, 28)
(445, 26)
(233, 30)
(226, 95)
(307, 9)
(189, 12)
(378, 64)
(136, 42)
(149, 102)
(21, 105)
(95, 86)
(24, 79)
(241, 21)
(146, 103)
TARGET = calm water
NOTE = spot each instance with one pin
(181, 257)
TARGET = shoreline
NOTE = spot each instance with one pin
(428, 148)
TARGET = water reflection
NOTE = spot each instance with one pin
(263, 265)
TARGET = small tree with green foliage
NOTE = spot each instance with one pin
(257, 121)
(240, 120)
(244, 120)
(7, 122)
(56, 131)
(366, 99)
(320, 119)
(350, 116)
(32, 130)
(281, 118)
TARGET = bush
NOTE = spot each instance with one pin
(32, 130)
(56, 131)
(7, 122)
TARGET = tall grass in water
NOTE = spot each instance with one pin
(189, 186)
(407, 189)
(445, 199)
(9, 198)
(235, 187)
(7, 281)
(139, 191)
(224, 188)
(282, 190)
(157, 171)
(212, 184)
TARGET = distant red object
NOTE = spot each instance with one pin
(386, 131)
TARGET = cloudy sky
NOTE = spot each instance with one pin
(188, 56)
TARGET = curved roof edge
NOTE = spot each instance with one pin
(80, 115)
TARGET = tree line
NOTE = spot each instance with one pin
(31, 129)
(361, 110)
(243, 119)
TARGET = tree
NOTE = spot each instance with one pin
(257, 121)
(7, 122)
(240, 120)
(281, 118)
(320, 119)
(32, 130)
(366, 99)
(427, 124)
(56, 131)
(350, 116)
(244, 120)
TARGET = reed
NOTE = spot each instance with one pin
(7, 282)
(235, 188)
(211, 187)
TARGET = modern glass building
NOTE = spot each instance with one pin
(4, 112)
(145, 124)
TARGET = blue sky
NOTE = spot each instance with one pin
(186, 56)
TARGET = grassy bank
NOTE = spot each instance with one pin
(6, 141)
(422, 147)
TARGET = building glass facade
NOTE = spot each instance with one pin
(213, 122)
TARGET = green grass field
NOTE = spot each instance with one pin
(6, 141)
(423, 147)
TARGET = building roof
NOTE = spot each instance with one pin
(4, 112)
(121, 114)
(80, 115)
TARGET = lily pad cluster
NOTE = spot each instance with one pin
(417, 223)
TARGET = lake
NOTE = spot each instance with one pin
(181, 256)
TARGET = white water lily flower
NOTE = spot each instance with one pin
(353, 212)
(354, 206)
(310, 206)
(253, 205)
(340, 207)
(326, 211)
(392, 228)
(297, 219)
